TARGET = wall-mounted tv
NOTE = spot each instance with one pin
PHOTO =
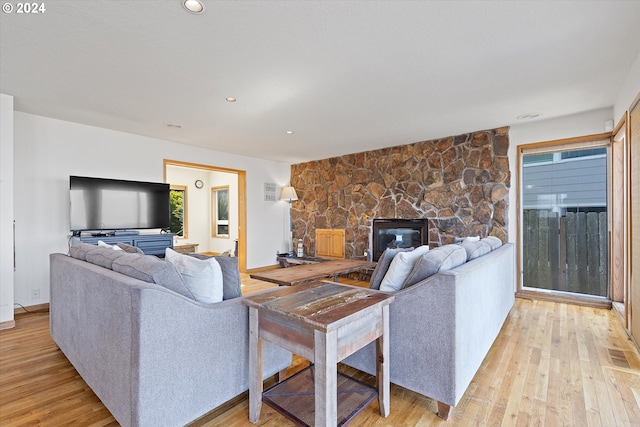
(100, 204)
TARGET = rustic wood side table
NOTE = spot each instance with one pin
(323, 322)
(298, 274)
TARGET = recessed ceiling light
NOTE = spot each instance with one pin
(173, 125)
(193, 6)
(230, 99)
(289, 132)
(528, 116)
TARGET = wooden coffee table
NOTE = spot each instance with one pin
(323, 322)
(311, 272)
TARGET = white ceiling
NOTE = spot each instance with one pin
(345, 76)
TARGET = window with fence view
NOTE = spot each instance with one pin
(564, 221)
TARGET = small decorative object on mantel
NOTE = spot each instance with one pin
(269, 192)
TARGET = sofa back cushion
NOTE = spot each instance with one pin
(438, 259)
(104, 257)
(79, 250)
(492, 241)
(383, 265)
(151, 269)
(476, 249)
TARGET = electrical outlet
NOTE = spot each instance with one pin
(35, 294)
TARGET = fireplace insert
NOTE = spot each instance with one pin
(398, 233)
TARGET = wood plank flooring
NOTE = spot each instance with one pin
(553, 364)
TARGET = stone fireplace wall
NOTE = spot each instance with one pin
(459, 183)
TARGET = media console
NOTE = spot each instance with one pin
(151, 244)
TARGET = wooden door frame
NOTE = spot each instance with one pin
(619, 220)
(633, 251)
(242, 202)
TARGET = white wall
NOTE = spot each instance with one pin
(6, 210)
(628, 91)
(47, 151)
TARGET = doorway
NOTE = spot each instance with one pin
(564, 218)
(203, 211)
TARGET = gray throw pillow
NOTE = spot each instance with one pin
(383, 265)
(151, 269)
(104, 257)
(439, 259)
(476, 249)
(231, 283)
(130, 249)
(493, 241)
(80, 250)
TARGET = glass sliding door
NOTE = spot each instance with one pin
(564, 222)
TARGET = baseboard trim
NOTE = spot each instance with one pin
(38, 308)
(262, 269)
(9, 324)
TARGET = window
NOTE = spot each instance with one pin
(537, 158)
(220, 211)
(584, 153)
(564, 218)
(178, 205)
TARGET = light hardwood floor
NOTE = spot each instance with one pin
(552, 365)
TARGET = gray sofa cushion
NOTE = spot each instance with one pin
(439, 259)
(383, 265)
(153, 270)
(492, 241)
(230, 275)
(104, 257)
(80, 250)
(476, 249)
(130, 249)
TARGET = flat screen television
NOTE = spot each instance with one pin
(100, 204)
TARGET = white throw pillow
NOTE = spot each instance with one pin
(203, 277)
(106, 245)
(400, 268)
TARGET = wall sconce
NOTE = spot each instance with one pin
(288, 194)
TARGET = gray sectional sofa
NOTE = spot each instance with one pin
(442, 327)
(154, 357)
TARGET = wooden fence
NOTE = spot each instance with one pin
(567, 253)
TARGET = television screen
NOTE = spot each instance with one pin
(111, 204)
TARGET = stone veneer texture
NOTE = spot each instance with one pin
(459, 183)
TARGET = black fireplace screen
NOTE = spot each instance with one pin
(398, 233)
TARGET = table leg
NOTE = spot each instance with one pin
(382, 365)
(326, 378)
(255, 367)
